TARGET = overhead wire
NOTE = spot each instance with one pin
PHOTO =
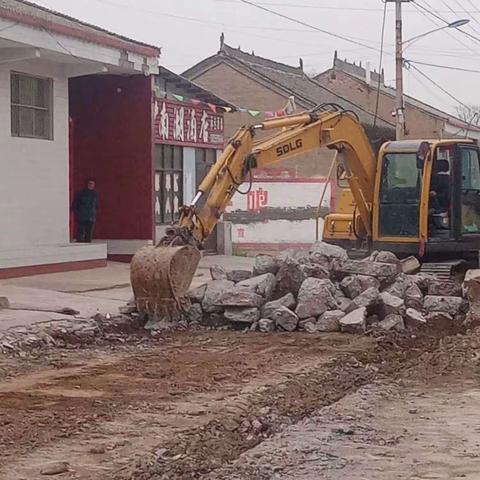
(380, 64)
(475, 9)
(471, 14)
(453, 11)
(446, 92)
(320, 7)
(431, 13)
(235, 28)
(446, 67)
(305, 24)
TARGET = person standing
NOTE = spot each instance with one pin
(85, 208)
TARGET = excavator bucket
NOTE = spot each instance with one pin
(161, 277)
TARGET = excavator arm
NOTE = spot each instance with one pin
(162, 273)
(297, 135)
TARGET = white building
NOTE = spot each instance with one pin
(40, 51)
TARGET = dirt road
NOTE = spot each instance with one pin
(230, 405)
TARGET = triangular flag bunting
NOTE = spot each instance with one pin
(227, 109)
(280, 113)
(195, 101)
(269, 114)
(212, 107)
(243, 110)
(254, 113)
(178, 97)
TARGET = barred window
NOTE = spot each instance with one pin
(31, 106)
(168, 183)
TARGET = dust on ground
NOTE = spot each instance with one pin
(231, 405)
(130, 399)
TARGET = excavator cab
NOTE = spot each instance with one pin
(426, 202)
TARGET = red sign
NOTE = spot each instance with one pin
(257, 200)
(185, 124)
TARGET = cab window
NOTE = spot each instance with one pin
(400, 190)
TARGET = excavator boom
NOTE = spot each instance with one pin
(161, 275)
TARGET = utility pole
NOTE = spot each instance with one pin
(399, 103)
(399, 113)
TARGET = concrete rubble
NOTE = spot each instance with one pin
(322, 290)
(71, 333)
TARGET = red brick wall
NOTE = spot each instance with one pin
(245, 92)
(112, 142)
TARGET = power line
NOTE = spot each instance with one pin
(475, 9)
(446, 22)
(453, 11)
(431, 12)
(446, 67)
(63, 47)
(446, 92)
(238, 28)
(470, 14)
(380, 63)
(300, 22)
(324, 7)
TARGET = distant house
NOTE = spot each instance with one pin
(258, 83)
(359, 85)
(279, 210)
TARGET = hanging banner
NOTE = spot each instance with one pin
(187, 124)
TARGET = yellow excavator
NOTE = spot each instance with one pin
(418, 197)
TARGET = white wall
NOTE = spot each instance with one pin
(288, 194)
(34, 174)
(273, 232)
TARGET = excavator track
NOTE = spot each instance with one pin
(450, 271)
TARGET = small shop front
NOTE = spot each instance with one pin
(188, 138)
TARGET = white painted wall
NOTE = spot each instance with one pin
(282, 194)
(275, 232)
(34, 174)
(290, 193)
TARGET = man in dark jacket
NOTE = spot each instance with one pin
(85, 208)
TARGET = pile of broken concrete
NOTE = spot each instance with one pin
(322, 290)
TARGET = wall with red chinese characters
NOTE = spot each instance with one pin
(279, 211)
(187, 124)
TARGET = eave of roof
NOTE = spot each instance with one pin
(303, 97)
(93, 34)
(414, 102)
(194, 89)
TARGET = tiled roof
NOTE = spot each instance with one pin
(409, 100)
(259, 61)
(22, 11)
(290, 79)
(192, 88)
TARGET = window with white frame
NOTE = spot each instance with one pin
(31, 106)
(168, 183)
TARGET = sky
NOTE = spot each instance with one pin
(189, 30)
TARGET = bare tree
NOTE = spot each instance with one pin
(469, 113)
